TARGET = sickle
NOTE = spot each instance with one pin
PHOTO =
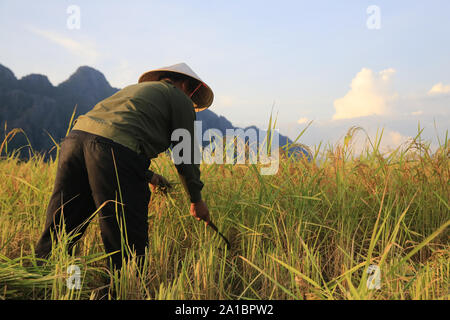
(210, 223)
(213, 226)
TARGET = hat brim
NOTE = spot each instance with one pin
(203, 97)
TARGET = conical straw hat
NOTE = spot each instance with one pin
(202, 98)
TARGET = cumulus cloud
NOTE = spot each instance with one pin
(372, 104)
(439, 88)
(83, 49)
(393, 139)
(302, 120)
(370, 94)
(397, 129)
(225, 101)
(390, 141)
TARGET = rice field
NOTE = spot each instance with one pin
(309, 232)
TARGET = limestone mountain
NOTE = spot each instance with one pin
(42, 110)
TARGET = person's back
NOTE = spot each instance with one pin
(141, 116)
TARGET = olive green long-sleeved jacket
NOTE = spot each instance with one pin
(142, 117)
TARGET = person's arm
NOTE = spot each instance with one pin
(199, 209)
(190, 178)
(157, 181)
(183, 117)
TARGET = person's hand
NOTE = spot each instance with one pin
(199, 210)
(159, 182)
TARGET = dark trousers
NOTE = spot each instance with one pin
(95, 172)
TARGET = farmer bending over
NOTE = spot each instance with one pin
(103, 161)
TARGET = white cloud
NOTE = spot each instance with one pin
(390, 141)
(417, 113)
(393, 139)
(225, 101)
(83, 49)
(439, 88)
(302, 120)
(370, 94)
(365, 139)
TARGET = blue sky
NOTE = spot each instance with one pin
(312, 60)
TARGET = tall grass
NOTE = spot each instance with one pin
(308, 232)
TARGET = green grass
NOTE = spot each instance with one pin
(308, 232)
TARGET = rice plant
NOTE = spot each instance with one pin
(311, 231)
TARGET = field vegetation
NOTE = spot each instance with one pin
(311, 231)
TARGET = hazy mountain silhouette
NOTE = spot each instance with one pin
(41, 109)
(33, 104)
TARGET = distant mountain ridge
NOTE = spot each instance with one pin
(33, 104)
